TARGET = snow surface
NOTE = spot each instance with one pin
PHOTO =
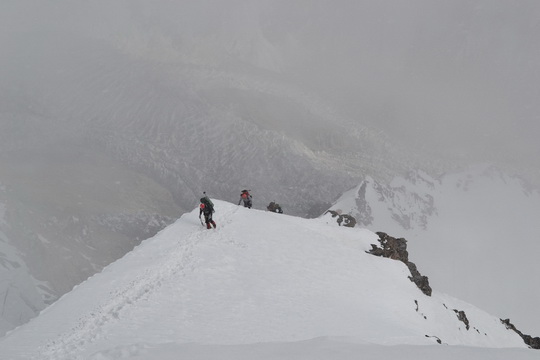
(473, 233)
(264, 286)
(20, 299)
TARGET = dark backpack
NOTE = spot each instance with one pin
(207, 203)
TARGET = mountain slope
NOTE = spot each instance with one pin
(222, 95)
(63, 220)
(20, 294)
(474, 232)
(260, 277)
(101, 144)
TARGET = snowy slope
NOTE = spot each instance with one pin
(475, 233)
(146, 84)
(99, 139)
(259, 278)
(19, 291)
(58, 225)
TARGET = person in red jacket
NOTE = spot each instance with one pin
(245, 196)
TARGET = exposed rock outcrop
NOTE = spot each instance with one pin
(463, 318)
(533, 342)
(343, 219)
(396, 249)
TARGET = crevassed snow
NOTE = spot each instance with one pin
(262, 283)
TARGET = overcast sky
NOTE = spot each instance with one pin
(457, 76)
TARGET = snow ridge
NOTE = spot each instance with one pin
(260, 277)
(172, 264)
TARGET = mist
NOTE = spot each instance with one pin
(454, 78)
(116, 116)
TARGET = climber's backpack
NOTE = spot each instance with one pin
(207, 203)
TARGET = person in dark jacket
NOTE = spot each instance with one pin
(206, 209)
(274, 207)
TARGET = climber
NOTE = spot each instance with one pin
(245, 196)
(274, 207)
(207, 208)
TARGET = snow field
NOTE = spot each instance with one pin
(258, 278)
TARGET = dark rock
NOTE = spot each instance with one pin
(436, 337)
(343, 219)
(396, 249)
(532, 342)
(420, 280)
(462, 317)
